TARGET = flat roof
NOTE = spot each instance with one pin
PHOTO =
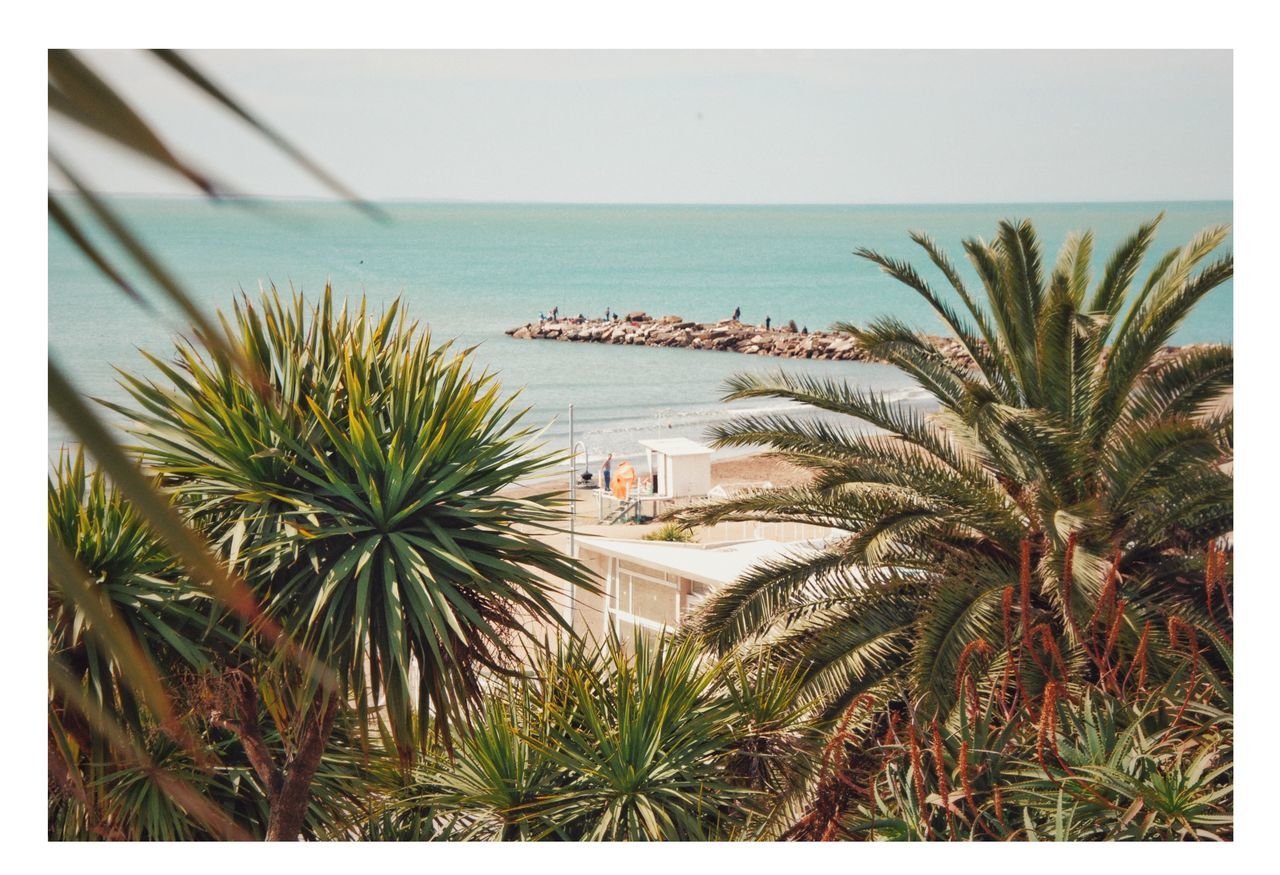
(676, 447)
(715, 565)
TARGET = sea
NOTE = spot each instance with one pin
(471, 271)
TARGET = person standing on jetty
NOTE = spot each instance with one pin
(555, 314)
(606, 471)
(768, 321)
(737, 311)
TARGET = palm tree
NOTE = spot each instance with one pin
(1067, 442)
(359, 496)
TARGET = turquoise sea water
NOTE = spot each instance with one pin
(473, 270)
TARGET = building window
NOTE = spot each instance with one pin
(642, 598)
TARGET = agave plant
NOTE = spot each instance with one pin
(1157, 771)
(1089, 767)
(1066, 441)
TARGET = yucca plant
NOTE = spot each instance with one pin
(775, 737)
(181, 637)
(499, 774)
(1062, 426)
(123, 622)
(125, 801)
(122, 802)
(493, 784)
(624, 742)
(360, 499)
(135, 576)
(644, 744)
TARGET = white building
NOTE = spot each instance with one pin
(653, 585)
(682, 466)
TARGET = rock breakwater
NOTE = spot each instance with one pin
(729, 335)
(640, 329)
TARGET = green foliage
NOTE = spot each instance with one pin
(1062, 426)
(1020, 636)
(1040, 745)
(127, 802)
(356, 488)
(1152, 772)
(134, 576)
(1112, 770)
(656, 744)
(670, 532)
(360, 496)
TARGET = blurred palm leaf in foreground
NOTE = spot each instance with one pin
(79, 94)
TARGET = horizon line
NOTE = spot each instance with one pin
(584, 203)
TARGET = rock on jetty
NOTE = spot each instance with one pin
(728, 335)
(641, 329)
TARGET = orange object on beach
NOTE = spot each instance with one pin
(624, 480)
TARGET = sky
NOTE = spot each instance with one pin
(694, 126)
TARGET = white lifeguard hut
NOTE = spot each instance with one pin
(682, 466)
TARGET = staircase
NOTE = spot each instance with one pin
(625, 510)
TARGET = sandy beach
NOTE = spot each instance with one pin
(756, 468)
